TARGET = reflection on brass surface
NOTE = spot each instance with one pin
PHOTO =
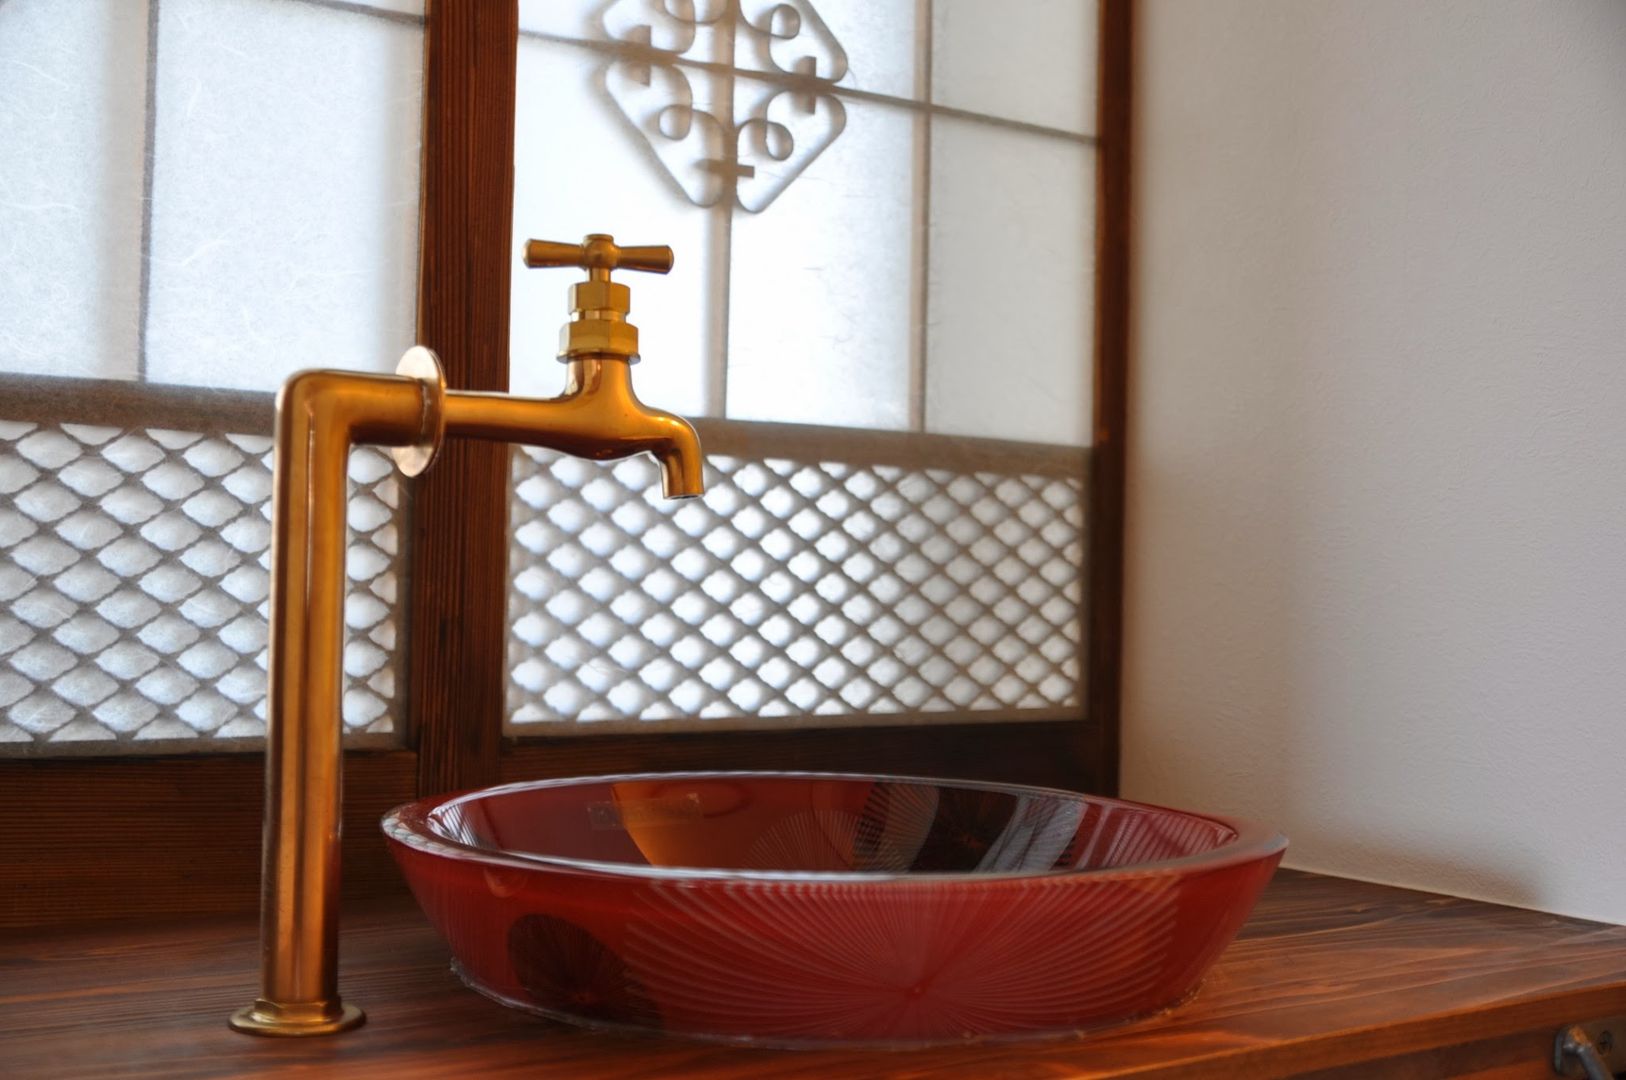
(598, 323)
(320, 416)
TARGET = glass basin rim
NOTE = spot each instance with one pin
(409, 824)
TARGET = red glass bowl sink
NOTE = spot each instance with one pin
(810, 909)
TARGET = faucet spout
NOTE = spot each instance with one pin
(682, 476)
(597, 417)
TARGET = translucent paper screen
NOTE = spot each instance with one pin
(211, 193)
(1003, 345)
(882, 220)
(576, 172)
(1025, 60)
(819, 303)
(207, 192)
(285, 191)
(72, 78)
(883, 217)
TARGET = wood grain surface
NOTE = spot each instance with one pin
(92, 839)
(1046, 753)
(1331, 978)
(457, 631)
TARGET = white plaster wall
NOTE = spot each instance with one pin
(1377, 520)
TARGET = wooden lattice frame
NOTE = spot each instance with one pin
(98, 838)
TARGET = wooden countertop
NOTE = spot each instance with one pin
(1332, 978)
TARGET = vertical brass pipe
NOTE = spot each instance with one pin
(320, 416)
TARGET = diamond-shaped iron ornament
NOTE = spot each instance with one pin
(775, 60)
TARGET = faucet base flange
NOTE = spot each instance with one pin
(262, 1018)
(422, 364)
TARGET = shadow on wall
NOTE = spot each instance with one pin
(1375, 579)
(1486, 871)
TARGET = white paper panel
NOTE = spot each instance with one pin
(285, 198)
(819, 308)
(1032, 60)
(560, 18)
(409, 8)
(1011, 284)
(874, 39)
(878, 37)
(72, 94)
(580, 168)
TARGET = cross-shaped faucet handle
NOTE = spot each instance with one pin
(598, 251)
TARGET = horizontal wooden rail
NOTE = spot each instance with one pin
(908, 449)
(550, 731)
(119, 403)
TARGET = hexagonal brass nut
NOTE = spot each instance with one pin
(600, 296)
(601, 337)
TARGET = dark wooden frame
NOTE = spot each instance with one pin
(459, 552)
(1105, 520)
(101, 837)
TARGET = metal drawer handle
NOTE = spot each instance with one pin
(1587, 1051)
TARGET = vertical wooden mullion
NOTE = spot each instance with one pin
(459, 537)
(920, 293)
(1104, 648)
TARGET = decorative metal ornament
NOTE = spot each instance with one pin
(766, 108)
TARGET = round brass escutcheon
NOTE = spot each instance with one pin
(262, 1019)
(422, 364)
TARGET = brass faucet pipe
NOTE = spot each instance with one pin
(597, 417)
(320, 416)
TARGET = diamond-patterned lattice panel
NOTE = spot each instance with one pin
(790, 589)
(134, 572)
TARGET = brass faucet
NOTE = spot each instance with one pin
(320, 416)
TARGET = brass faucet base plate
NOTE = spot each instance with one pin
(251, 1020)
